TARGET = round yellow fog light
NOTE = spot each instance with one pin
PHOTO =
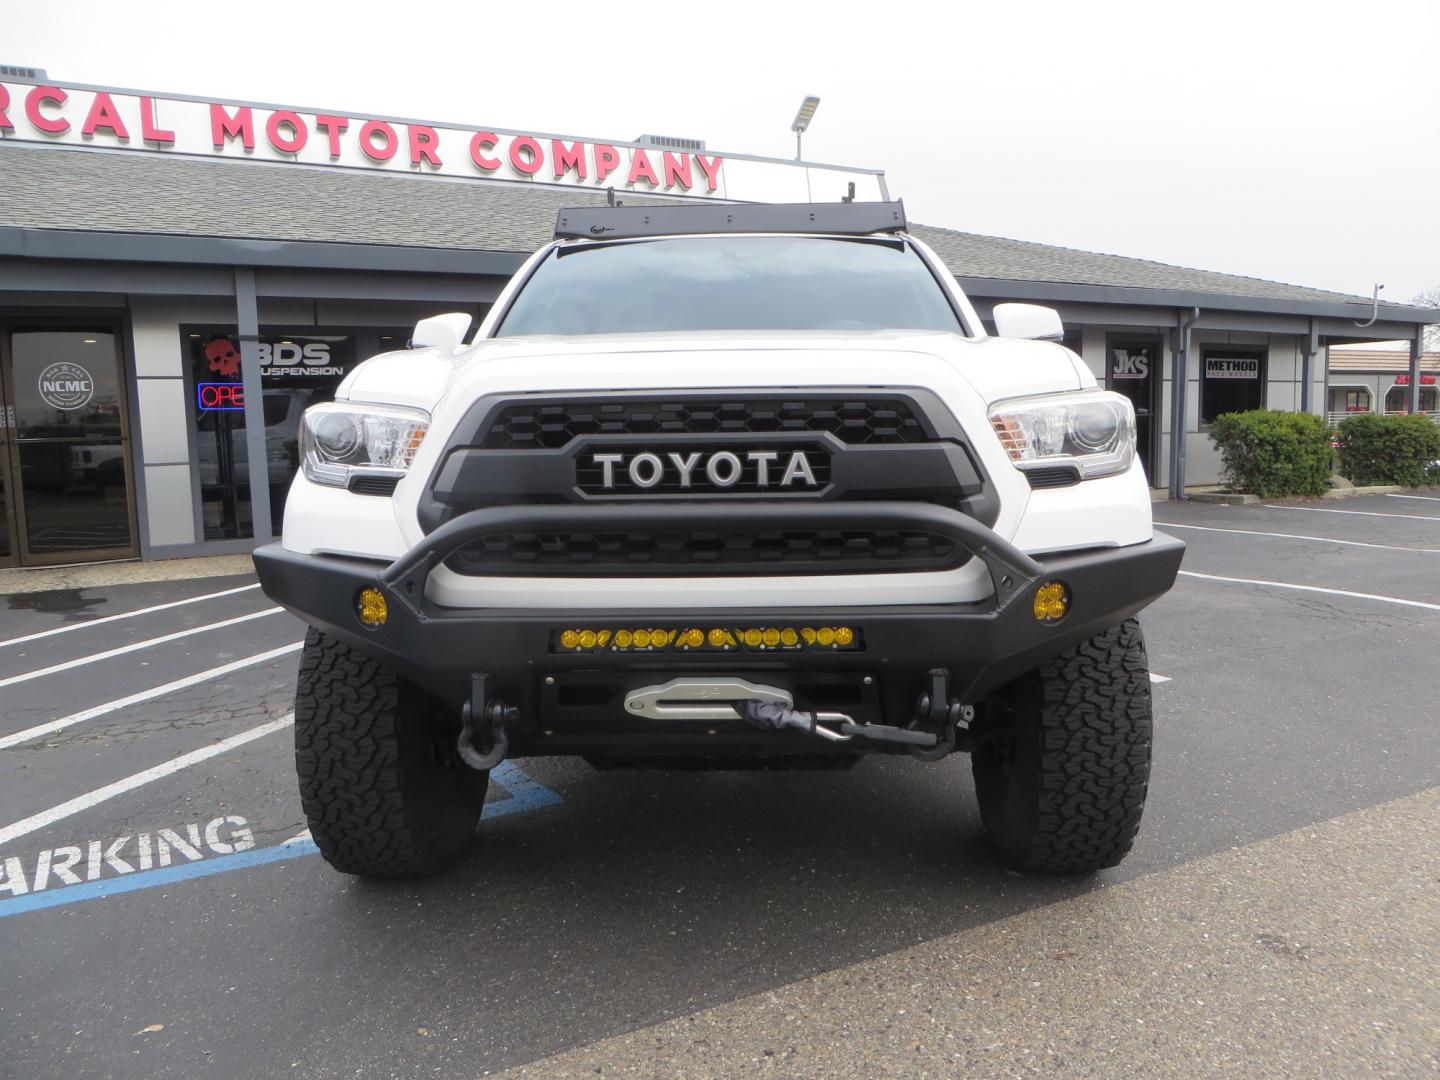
(623, 638)
(370, 608)
(825, 636)
(587, 639)
(569, 639)
(751, 637)
(789, 637)
(844, 635)
(1052, 601)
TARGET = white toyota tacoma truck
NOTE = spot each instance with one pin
(719, 487)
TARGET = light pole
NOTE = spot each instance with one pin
(802, 120)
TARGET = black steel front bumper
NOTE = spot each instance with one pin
(984, 645)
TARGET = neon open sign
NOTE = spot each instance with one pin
(220, 396)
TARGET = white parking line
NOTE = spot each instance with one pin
(1297, 536)
(1423, 498)
(124, 615)
(52, 726)
(1159, 678)
(1313, 588)
(1355, 513)
(71, 807)
(107, 654)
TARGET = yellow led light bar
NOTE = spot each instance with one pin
(714, 639)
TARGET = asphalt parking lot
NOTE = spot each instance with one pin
(163, 914)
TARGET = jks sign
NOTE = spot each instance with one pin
(1129, 363)
(121, 120)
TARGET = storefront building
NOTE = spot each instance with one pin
(1376, 379)
(180, 278)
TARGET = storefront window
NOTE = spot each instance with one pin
(1398, 398)
(1349, 399)
(1231, 380)
(296, 371)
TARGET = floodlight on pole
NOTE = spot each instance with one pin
(802, 120)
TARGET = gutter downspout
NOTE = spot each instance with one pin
(1179, 384)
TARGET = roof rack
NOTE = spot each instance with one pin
(621, 222)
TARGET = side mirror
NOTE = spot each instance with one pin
(441, 332)
(1029, 321)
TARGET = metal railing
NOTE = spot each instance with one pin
(1335, 417)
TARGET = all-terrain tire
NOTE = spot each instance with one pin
(382, 785)
(1061, 758)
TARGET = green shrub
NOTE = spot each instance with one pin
(1272, 453)
(1378, 449)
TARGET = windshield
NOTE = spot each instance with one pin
(731, 283)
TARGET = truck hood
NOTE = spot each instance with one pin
(988, 368)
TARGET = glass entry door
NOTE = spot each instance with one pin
(1132, 371)
(68, 484)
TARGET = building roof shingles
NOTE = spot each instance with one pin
(1378, 360)
(49, 188)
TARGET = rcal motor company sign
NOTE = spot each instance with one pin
(116, 119)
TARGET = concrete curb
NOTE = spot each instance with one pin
(1235, 498)
(132, 572)
(1378, 489)
(1224, 498)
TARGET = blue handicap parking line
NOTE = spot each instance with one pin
(525, 794)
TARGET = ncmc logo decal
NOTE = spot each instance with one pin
(66, 386)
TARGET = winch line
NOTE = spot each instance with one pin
(50, 727)
(135, 646)
(123, 615)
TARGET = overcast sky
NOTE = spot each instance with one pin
(1293, 141)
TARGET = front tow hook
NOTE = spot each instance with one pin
(483, 742)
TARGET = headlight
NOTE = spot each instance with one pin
(1093, 430)
(339, 438)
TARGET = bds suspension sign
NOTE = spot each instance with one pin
(130, 120)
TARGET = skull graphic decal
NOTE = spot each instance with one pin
(224, 358)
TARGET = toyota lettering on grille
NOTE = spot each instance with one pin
(701, 470)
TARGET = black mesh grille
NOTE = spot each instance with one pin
(373, 485)
(733, 551)
(551, 425)
(1053, 477)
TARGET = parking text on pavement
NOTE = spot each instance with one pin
(71, 864)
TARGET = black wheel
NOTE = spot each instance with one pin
(1061, 757)
(382, 785)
